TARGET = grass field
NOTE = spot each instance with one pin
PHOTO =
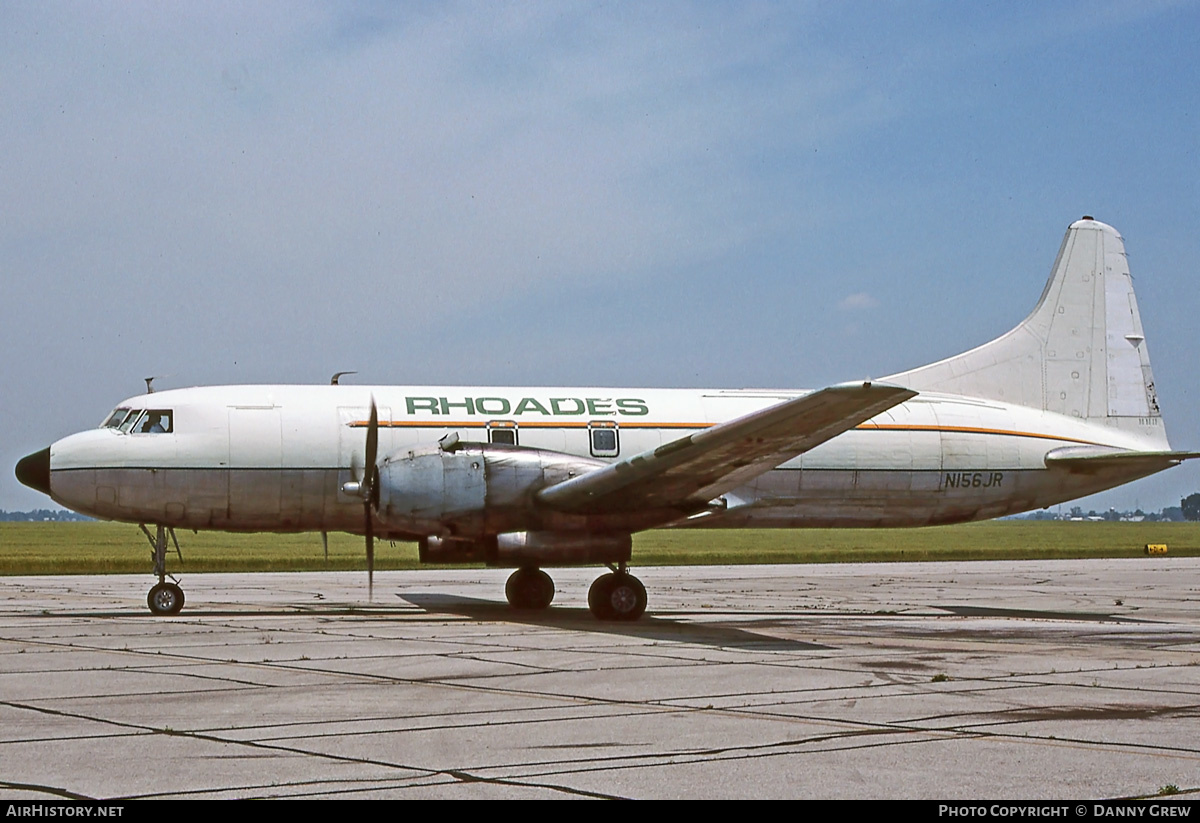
(107, 548)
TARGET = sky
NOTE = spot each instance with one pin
(716, 195)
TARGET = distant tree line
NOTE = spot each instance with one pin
(1191, 506)
(1188, 509)
(41, 515)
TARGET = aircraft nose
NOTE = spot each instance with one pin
(34, 470)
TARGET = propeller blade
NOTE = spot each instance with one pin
(370, 531)
(371, 494)
(372, 439)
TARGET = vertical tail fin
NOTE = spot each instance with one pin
(1081, 352)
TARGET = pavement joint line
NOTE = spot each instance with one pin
(725, 754)
(457, 726)
(759, 752)
(55, 791)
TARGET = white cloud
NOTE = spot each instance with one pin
(859, 301)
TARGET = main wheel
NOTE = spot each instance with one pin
(617, 596)
(529, 589)
(165, 598)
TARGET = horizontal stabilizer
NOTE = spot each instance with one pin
(688, 472)
(1094, 459)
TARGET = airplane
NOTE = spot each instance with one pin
(1062, 406)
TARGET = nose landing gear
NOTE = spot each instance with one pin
(164, 598)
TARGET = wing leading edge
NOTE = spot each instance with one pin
(689, 472)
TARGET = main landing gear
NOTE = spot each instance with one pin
(165, 597)
(529, 589)
(617, 595)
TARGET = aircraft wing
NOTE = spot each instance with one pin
(1093, 459)
(688, 472)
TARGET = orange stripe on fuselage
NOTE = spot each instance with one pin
(541, 424)
(972, 430)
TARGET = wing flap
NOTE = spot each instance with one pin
(688, 472)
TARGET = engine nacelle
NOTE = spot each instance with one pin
(451, 550)
(534, 548)
(561, 548)
(469, 489)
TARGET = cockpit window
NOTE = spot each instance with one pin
(149, 421)
(155, 421)
(128, 422)
(116, 418)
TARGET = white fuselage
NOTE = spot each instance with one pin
(276, 458)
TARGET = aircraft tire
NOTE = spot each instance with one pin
(165, 599)
(529, 589)
(598, 597)
(617, 596)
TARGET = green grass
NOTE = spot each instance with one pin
(99, 548)
(118, 548)
(993, 540)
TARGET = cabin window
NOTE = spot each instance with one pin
(502, 431)
(604, 441)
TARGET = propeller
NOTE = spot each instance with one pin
(366, 486)
(370, 494)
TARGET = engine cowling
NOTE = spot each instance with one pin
(469, 489)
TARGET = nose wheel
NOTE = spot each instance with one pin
(165, 598)
(617, 596)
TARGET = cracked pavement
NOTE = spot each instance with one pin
(1041, 679)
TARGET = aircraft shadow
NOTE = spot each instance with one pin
(1034, 614)
(648, 627)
